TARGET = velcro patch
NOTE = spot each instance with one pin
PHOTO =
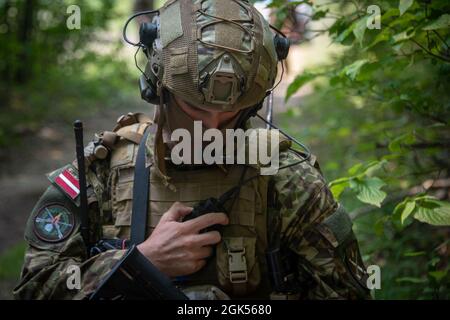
(171, 27)
(66, 180)
(53, 223)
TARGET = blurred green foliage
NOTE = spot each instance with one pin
(11, 262)
(379, 118)
(49, 71)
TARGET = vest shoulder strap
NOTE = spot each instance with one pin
(141, 193)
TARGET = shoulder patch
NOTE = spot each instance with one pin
(66, 180)
(41, 230)
(53, 223)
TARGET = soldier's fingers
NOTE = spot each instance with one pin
(207, 238)
(205, 221)
(198, 265)
(202, 253)
(176, 212)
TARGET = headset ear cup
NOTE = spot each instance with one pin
(282, 46)
(148, 90)
(148, 32)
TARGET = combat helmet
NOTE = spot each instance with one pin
(214, 54)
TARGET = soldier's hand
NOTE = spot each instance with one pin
(177, 248)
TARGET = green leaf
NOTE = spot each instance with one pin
(409, 208)
(401, 212)
(319, 14)
(411, 280)
(383, 36)
(391, 12)
(353, 69)
(404, 5)
(434, 261)
(355, 169)
(373, 166)
(440, 23)
(438, 275)
(399, 143)
(335, 80)
(414, 254)
(433, 212)
(344, 34)
(369, 190)
(405, 35)
(396, 214)
(366, 169)
(299, 82)
(379, 225)
(338, 186)
(360, 29)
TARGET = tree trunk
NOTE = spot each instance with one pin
(24, 36)
(6, 72)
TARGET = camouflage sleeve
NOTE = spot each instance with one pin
(56, 256)
(318, 232)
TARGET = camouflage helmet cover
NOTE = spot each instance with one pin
(214, 54)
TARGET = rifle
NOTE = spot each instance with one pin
(134, 277)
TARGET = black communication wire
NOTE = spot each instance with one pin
(138, 14)
(137, 64)
(304, 147)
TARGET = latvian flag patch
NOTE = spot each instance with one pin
(67, 180)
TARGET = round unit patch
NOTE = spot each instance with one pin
(53, 223)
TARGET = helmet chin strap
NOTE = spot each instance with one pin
(159, 148)
(248, 113)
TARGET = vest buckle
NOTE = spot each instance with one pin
(237, 264)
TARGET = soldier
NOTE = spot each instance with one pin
(282, 236)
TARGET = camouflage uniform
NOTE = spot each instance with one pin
(216, 55)
(300, 210)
